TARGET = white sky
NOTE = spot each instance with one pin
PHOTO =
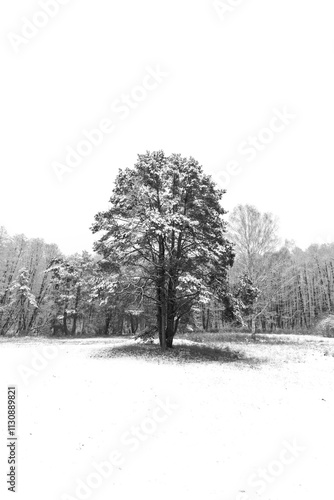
(225, 78)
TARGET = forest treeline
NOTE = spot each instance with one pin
(45, 292)
(163, 256)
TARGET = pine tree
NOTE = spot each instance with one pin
(165, 223)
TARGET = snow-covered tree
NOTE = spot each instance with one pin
(165, 224)
(21, 301)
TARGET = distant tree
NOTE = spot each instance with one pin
(32, 255)
(254, 234)
(247, 293)
(72, 281)
(20, 303)
(114, 296)
(165, 224)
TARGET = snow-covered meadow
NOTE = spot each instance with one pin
(92, 425)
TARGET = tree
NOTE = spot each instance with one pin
(165, 225)
(21, 300)
(254, 234)
(255, 238)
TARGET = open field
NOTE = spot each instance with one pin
(224, 418)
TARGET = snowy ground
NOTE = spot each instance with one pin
(121, 428)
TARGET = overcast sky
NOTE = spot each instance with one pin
(184, 76)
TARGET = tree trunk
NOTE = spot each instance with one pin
(107, 323)
(253, 327)
(171, 312)
(75, 315)
(65, 322)
(161, 296)
(163, 323)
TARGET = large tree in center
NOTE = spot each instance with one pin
(165, 225)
